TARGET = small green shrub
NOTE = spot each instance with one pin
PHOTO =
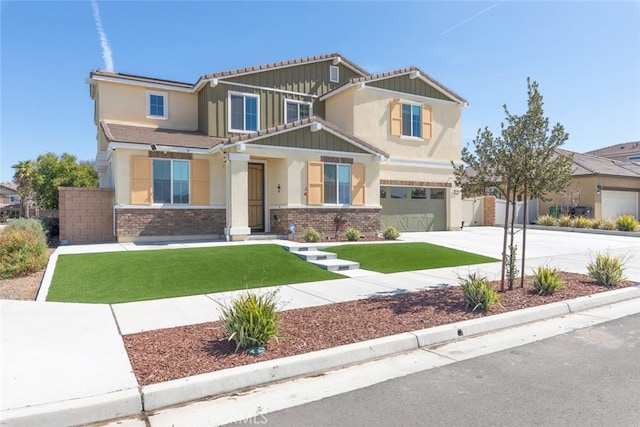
(547, 220)
(352, 234)
(581, 222)
(478, 292)
(311, 235)
(626, 223)
(391, 233)
(546, 280)
(564, 221)
(23, 250)
(251, 320)
(29, 224)
(603, 224)
(607, 269)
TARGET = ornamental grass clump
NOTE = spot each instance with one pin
(352, 234)
(564, 221)
(582, 222)
(479, 293)
(23, 249)
(547, 220)
(607, 269)
(311, 235)
(251, 320)
(603, 224)
(390, 233)
(546, 280)
(626, 223)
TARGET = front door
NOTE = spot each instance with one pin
(256, 196)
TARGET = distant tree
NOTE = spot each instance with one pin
(521, 162)
(23, 178)
(48, 172)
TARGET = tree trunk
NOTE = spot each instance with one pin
(511, 252)
(524, 235)
(506, 233)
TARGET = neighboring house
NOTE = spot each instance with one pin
(303, 142)
(625, 152)
(9, 199)
(607, 188)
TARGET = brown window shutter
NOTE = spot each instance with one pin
(140, 181)
(426, 122)
(315, 183)
(396, 118)
(358, 185)
(199, 182)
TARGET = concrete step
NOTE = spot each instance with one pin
(261, 236)
(336, 264)
(314, 255)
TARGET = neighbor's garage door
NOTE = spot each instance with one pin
(616, 203)
(414, 208)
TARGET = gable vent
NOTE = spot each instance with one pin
(334, 74)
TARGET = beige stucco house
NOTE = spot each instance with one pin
(274, 147)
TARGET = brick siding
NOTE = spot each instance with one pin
(86, 215)
(489, 210)
(132, 223)
(366, 220)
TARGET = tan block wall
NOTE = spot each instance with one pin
(489, 210)
(86, 215)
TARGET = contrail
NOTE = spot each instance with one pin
(106, 49)
(470, 18)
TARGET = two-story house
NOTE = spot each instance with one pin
(260, 149)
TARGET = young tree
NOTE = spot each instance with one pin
(521, 162)
(23, 177)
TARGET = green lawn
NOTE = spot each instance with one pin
(395, 257)
(116, 277)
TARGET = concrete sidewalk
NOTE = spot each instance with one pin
(66, 363)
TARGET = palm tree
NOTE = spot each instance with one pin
(23, 177)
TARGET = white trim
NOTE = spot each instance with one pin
(239, 156)
(233, 231)
(128, 81)
(331, 152)
(165, 105)
(295, 101)
(270, 89)
(147, 147)
(244, 120)
(171, 181)
(436, 164)
(412, 138)
(336, 70)
(411, 104)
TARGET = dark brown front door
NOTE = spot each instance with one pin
(256, 196)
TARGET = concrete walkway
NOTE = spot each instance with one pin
(66, 363)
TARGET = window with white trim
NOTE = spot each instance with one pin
(334, 74)
(337, 183)
(157, 105)
(171, 181)
(411, 120)
(244, 112)
(296, 110)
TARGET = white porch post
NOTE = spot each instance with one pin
(237, 197)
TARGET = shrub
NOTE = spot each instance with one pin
(547, 220)
(626, 223)
(29, 224)
(251, 320)
(23, 250)
(603, 224)
(546, 280)
(51, 226)
(607, 269)
(479, 293)
(391, 233)
(352, 234)
(311, 235)
(564, 221)
(581, 222)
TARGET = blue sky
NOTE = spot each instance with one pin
(585, 56)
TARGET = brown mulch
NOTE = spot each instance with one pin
(174, 353)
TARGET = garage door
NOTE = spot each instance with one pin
(414, 208)
(616, 203)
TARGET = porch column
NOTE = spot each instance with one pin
(237, 197)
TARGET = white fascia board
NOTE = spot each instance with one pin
(337, 91)
(433, 164)
(139, 83)
(419, 98)
(147, 147)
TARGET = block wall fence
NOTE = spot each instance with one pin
(86, 215)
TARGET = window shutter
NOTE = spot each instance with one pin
(199, 182)
(357, 185)
(140, 181)
(315, 183)
(426, 122)
(396, 118)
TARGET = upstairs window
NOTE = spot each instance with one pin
(243, 112)
(334, 74)
(411, 120)
(296, 110)
(157, 105)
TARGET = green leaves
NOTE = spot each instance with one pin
(478, 292)
(607, 269)
(546, 280)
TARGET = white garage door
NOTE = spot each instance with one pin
(414, 208)
(616, 203)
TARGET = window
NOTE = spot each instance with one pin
(410, 120)
(334, 74)
(296, 110)
(633, 158)
(171, 181)
(398, 192)
(243, 112)
(337, 184)
(418, 193)
(436, 193)
(157, 105)
(14, 199)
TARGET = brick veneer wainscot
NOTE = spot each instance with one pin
(367, 220)
(169, 222)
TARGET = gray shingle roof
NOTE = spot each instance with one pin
(146, 135)
(626, 148)
(587, 164)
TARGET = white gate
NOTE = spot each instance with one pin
(532, 210)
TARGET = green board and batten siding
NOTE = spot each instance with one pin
(410, 86)
(304, 138)
(310, 78)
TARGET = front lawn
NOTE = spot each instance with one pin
(116, 277)
(396, 257)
